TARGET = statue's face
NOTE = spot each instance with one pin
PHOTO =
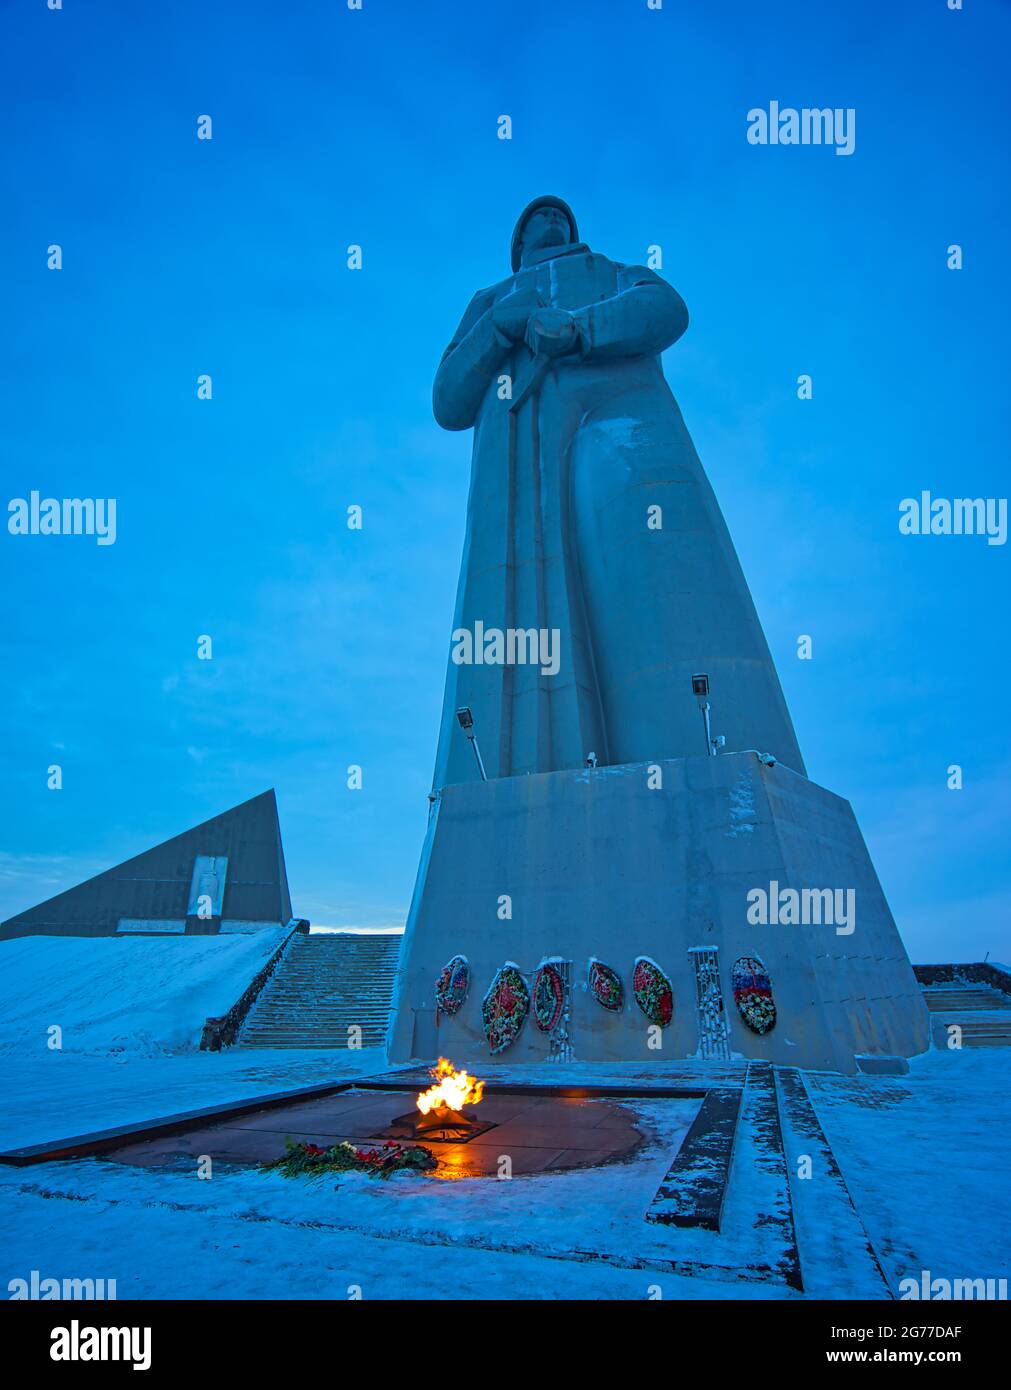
(545, 226)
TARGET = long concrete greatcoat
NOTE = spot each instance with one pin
(559, 538)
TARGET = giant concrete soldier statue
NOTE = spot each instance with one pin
(605, 842)
(590, 518)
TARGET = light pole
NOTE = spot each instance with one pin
(700, 689)
(467, 725)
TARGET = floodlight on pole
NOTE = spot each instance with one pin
(466, 719)
(700, 689)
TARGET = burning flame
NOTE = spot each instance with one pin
(454, 1089)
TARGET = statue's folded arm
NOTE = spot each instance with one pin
(644, 317)
(468, 365)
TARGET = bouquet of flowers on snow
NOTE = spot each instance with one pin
(303, 1160)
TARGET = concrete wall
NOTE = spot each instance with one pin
(599, 864)
(155, 885)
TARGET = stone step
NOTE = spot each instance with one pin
(837, 1257)
(322, 986)
(333, 982)
(970, 1030)
(364, 1000)
(340, 1035)
(313, 972)
(315, 1025)
(976, 1023)
(299, 1008)
(334, 1008)
(944, 1000)
(297, 1013)
(351, 957)
(336, 1036)
(982, 1017)
(351, 973)
(971, 1037)
(961, 1001)
(344, 953)
(319, 1009)
(296, 991)
(331, 1008)
(356, 977)
(321, 1021)
(313, 1039)
(330, 1029)
(347, 944)
(341, 972)
(329, 988)
(312, 1045)
(299, 1025)
(350, 962)
(367, 999)
(339, 976)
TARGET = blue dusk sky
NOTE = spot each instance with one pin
(229, 257)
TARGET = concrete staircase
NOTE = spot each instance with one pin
(325, 983)
(983, 1014)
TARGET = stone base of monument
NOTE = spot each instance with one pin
(758, 866)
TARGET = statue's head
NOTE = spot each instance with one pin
(547, 221)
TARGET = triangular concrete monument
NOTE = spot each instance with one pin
(226, 874)
(602, 879)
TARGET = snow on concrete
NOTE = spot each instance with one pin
(246, 1233)
(925, 1160)
(743, 815)
(157, 1246)
(923, 1157)
(130, 1011)
(130, 993)
(56, 1095)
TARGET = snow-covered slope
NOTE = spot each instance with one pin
(125, 994)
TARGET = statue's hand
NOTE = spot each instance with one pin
(552, 333)
(511, 313)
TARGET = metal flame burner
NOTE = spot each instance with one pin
(437, 1127)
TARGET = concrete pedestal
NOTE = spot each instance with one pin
(599, 862)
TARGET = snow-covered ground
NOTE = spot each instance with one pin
(234, 1238)
(127, 994)
(251, 1234)
(53, 1095)
(923, 1156)
(129, 1013)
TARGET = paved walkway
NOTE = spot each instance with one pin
(536, 1133)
